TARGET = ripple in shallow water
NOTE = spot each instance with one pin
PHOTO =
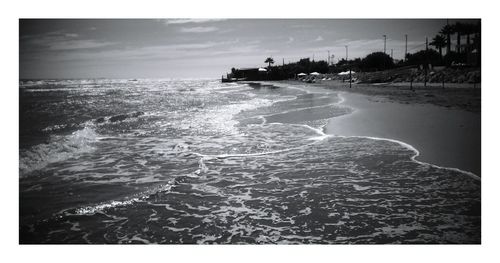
(340, 190)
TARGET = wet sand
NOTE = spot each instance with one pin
(444, 126)
(443, 136)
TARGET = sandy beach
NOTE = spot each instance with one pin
(454, 95)
(444, 126)
(444, 137)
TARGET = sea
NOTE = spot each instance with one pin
(197, 161)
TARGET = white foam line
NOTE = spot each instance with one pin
(220, 156)
(316, 139)
(299, 109)
(342, 99)
(297, 87)
(317, 130)
(417, 153)
(406, 145)
(139, 197)
(264, 120)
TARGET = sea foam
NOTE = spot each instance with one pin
(59, 148)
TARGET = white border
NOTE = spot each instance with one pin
(246, 9)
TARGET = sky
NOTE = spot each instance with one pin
(202, 48)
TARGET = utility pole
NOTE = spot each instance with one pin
(283, 61)
(406, 46)
(313, 57)
(426, 62)
(391, 53)
(328, 58)
(346, 52)
(385, 39)
(350, 78)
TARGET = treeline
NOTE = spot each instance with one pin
(463, 54)
(291, 70)
(468, 53)
(373, 62)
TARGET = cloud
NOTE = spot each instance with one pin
(78, 44)
(59, 41)
(237, 50)
(191, 20)
(199, 29)
(152, 53)
(290, 40)
(319, 38)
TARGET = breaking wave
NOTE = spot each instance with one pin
(59, 148)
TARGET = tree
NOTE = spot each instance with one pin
(447, 30)
(424, 57)
(469, 29)
(320, 66)
(376, 61)
(458, 28)
(304, 65)
(476, 42)
(439, 42)
(270, 61)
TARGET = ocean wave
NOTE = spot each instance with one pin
(119, 117)
(92, 209)
(220, 119)
(59, 148)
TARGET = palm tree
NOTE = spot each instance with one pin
(439, 42)
(469, 29)
(477, 42)
(270, 61)
(447, 30)
(458, 28)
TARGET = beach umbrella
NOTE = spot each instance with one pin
(262, 70)
(315, 73)
(301, 74)
(346, 73)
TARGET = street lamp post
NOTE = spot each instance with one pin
(406, 46)
(385, 39)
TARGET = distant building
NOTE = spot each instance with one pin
(255, 74)
(248, 74)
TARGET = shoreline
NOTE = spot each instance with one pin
(443, 134)
(450, 139)
(453, 96)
